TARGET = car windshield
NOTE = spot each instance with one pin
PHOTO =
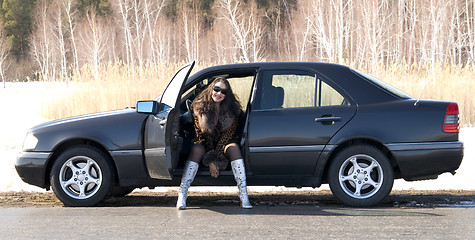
(381, 84)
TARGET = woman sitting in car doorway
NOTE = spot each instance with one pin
(216, 114)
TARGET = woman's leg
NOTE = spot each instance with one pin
(189, 173)
(237, 164)
(232, 151)
(197, 152)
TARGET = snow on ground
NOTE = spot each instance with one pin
(20, 104)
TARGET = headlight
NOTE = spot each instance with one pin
(30, 142)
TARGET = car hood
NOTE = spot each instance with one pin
(115, 130)
(85, 118)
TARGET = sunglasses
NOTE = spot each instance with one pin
(218, 89)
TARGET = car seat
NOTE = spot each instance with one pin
(272, 97)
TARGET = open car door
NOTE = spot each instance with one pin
(161, 138)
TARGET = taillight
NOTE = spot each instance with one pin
(451, 119)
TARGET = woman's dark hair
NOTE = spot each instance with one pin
(204, 104)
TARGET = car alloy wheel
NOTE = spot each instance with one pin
(360, 176)
(82, 176)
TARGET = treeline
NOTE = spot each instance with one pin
(53, 40)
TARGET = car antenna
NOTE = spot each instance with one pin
(418, 99)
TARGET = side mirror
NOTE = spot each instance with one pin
(148, 107)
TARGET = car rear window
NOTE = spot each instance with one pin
(381, 84)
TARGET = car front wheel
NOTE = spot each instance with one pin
(81, 176)
(360, 176)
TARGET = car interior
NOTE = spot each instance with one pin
(241, 83)
(272, 97)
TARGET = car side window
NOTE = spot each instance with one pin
(296, 89)
(328, 96)
(242, 87)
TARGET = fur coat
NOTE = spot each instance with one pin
(214, 136)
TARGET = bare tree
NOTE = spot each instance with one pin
(41, 42)
(152, 10)
(164, 40)
(125, 7)
(61, 45)
(366, 33)
(95, 39)
(328, 28)
(413, 20)
(438, 18)
(278, 15)
(68, 8)
(257, 32)
(470, 31)
(3, 55)
(139, 32)
(234, 16)
(191, 25)
(304, 39)
(246, 28)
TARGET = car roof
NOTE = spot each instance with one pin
(265, 65)
(271, 65)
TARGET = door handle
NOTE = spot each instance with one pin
(328, 119)
(163, 122)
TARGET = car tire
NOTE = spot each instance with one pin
(82, 176)
(361, 176)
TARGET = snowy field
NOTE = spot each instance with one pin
(20, 106)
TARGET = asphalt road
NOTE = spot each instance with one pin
(231, 222)
(284, 216)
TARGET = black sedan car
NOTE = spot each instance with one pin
(304, 124)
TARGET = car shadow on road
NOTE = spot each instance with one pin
(304, 204)
(298, 203)
(220, 199)
(306, 210)
(280, 205)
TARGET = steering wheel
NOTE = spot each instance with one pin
(188, 105)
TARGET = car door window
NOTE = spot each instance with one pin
(242, 88)
(290, 91)
(328, 96)
(171, 92)
(296, 89)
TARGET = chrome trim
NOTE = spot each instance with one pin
(154, 152)
(424, 146)
(307, 148)
(34, 155)
(125, 153)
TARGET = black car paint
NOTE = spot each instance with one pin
(114, 132)
(373, 116)
(381, 125)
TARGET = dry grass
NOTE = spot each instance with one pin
(119, 86)
(116, 87)
(448, 83)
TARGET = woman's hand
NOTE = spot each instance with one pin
(213, 170)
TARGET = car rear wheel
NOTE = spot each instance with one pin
(360, 176)
(82, 176)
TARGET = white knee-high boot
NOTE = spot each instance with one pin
(189, 173)
(240, 176)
